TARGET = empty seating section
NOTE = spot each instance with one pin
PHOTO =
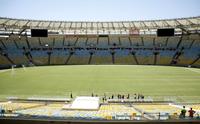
(173, 42)
(9, 43)
(114, 41)
(92, 41)
(158, 108)
(145, 57)
(39, 57)
(197, 63)
(112, 110)
(2, 46)
(77, 50)
(187, 58)
(4, 61)
(102, 57)
(18, 57)
(18, 106)
(59, 57)
(103, 42)
(148, 42)
(196, 107)
(81, 42)
(165, 108)
(125, 41)
(55, 110)
(70, 41)
(46, 42)
(137, 42)
(196, 45)
(161, 42)
(79, 57)
(58, 42)
(34, 42)
(21, 42)
(185, 43)
(124, 57)
(165, 57)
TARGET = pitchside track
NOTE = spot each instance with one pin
(159, 82)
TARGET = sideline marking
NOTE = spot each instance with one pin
(193, 70)
(1, 71)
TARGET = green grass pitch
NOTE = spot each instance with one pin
(155, 81)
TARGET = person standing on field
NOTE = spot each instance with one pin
(183, 112)
(191, 113)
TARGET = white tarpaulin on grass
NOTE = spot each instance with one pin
(84, 103)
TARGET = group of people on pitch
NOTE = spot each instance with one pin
(183, 113)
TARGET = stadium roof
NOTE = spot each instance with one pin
(118, 27)
(99, 10)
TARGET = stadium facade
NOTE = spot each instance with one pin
(75, 43)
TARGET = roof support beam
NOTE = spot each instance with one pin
(177, 23)
(49, 24)
(154, 25)
(5, 22)
(26, 23)
(133, 25)
(190, 23)
(166, 24)
(60, 25)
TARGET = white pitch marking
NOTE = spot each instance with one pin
(193, 70)
(1, 71)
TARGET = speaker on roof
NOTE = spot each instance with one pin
(39, 33)
(165, 32)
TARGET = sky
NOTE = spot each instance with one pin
(99, 10)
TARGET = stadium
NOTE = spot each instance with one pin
(99, 72)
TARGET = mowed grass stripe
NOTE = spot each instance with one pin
(60, 80)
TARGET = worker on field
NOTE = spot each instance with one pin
(92, 95)
(128, 96)
(135, 96)
(71, 96)
(112, 96)
(103, 99)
